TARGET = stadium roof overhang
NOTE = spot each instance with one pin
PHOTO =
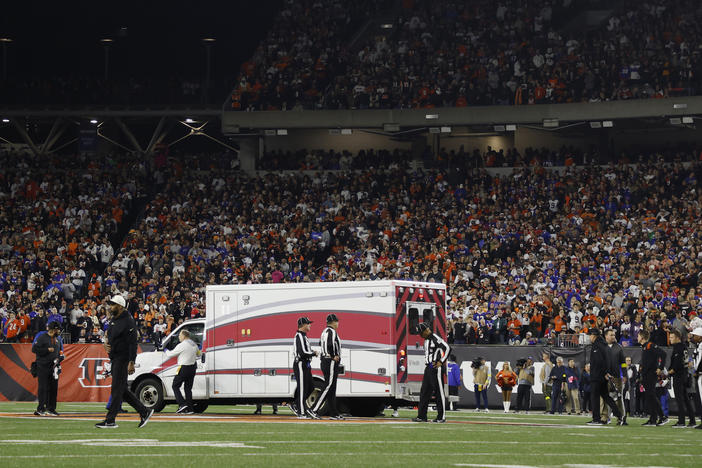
(634, 113)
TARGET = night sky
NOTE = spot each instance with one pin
(161, 38)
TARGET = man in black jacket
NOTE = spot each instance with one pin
(121, 346)
(681, 376)
(599, 375)
(617, 371)
(47, 347)
(651, 366)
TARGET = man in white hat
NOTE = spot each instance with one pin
(121, 346)
(696, 338)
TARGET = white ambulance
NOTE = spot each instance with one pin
(247, 343)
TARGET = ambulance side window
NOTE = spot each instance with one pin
(428, 317)
(413, 320)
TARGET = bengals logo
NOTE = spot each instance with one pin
(95, 373)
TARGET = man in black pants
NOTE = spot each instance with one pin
(681, 377)
(651, 365)
(524, 384)
(47, 347)
(187, 352)
(302, 369)
(331, 359)
(121, 346)
(436, 353)
(599, 375)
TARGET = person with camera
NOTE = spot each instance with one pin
(481, 382)
(436, 353)
(506, 380)
(331, 362)
(121, 347)
(681, 379)
(48, 346)
(525, 382)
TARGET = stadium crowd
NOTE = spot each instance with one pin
(527, 256)
(447, 53)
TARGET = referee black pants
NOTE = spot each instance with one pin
(432, 385)
(120, 390)
(303, 376)
(330, 369)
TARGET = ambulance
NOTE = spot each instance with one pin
(247, 343)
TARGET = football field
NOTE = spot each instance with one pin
(232, 436)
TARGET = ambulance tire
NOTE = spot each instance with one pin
(316, 392)
(150, 392)
(366, 407)
(200, 406)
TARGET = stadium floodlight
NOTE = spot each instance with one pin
(550, 123)
(607, 124)
(680, 106)
(209, 39)
(93, 121)
(511, 127)
(687, 120)
(5, 120)
(386, 26)
(189, 120)
(431, 116)
(675, 121)
(281, 132)
(499, 128)
(595, 124)
(106, 41)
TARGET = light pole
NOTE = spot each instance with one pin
(5, 42)
(209, 42)
(106, 43)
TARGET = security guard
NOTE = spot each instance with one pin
(436, 353)
(303, 369)
(331, 359)
(47, 347)
(121, 346)
(599, 377)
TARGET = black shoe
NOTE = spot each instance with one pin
(649, 423)
(699, 426)
(182, 410)
(106, 425)
(596, 423)
(52, 413)
(313, 415)
(338, 417)
(275, 411)
(419, 420)
(145, 418)
(258, 411)
(123, 411)
(188, 410)
(622, 422)
(692, 425)
(295, 411)
(437, 420)
(663, 422)
(39, 413)
(679, 425)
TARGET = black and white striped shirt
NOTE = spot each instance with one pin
(303, 350)
(435, 349)
(329, 341)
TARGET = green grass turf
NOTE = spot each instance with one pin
(564, 441)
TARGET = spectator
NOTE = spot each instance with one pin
(481, 382)
(572, 396)
(558, 379)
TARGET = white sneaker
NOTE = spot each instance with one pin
(477, 410)
(487, 410)
(395, 414)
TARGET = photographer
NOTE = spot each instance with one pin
(481, 381)
(525, 371)
(48, 347)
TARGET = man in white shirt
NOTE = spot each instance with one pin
(187, 352)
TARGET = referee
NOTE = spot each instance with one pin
(436, 352)
(303, 369)
(331, 359)
(121, 346)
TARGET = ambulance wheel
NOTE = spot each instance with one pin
(150, 394)
(314, 396)
(200, 406)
